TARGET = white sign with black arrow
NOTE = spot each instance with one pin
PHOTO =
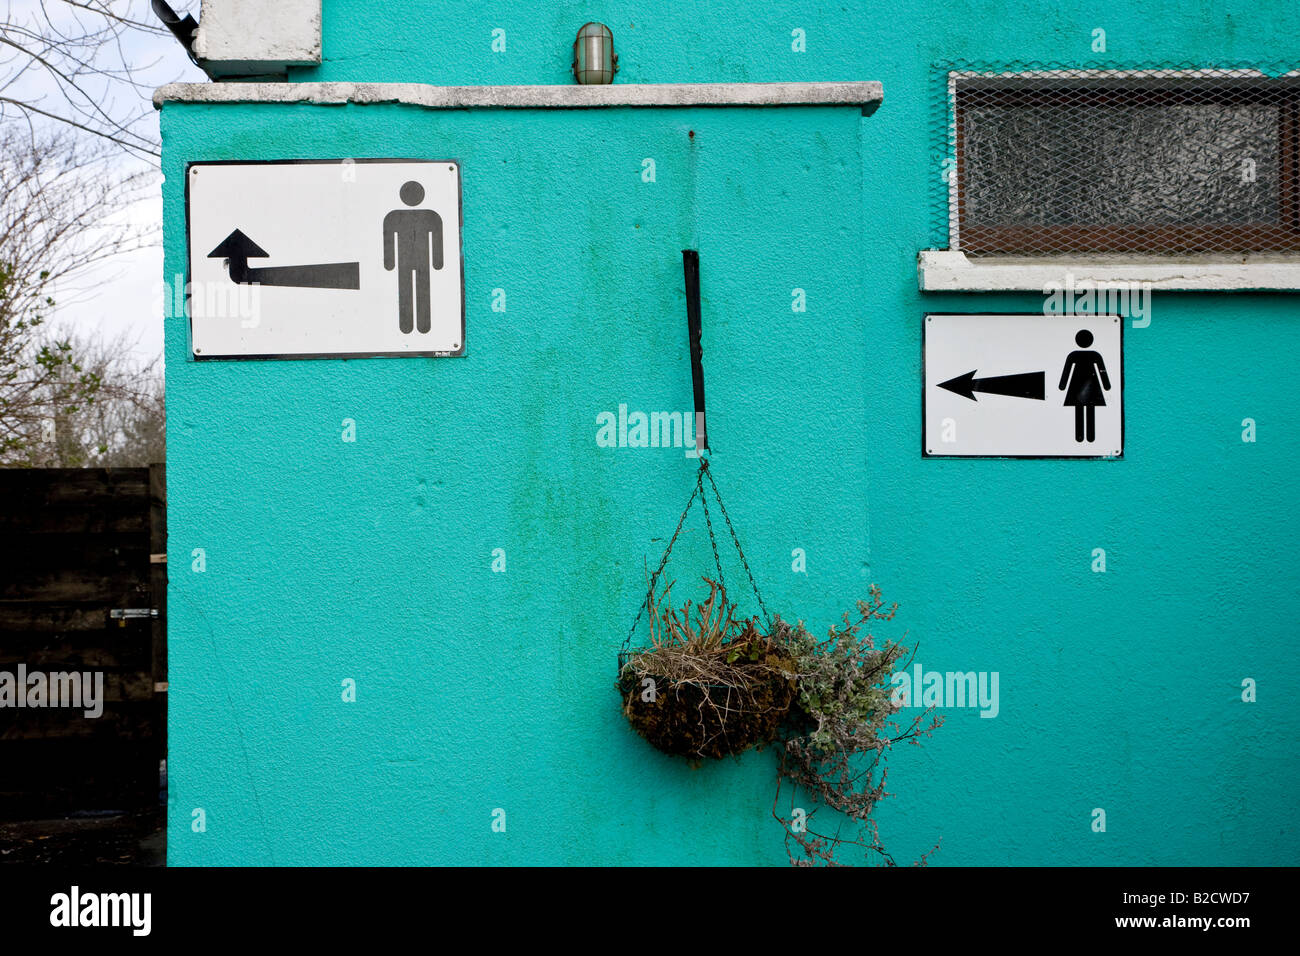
(1023, 386)
(317, 258)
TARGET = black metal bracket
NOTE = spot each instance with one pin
(691, 265)
(181, 27)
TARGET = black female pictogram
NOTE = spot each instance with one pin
(1086, 378)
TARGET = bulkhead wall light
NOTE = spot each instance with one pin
(594, 59)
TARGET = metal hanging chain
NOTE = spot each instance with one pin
(663, 562)
(698, 491)
(708, 522)
(704, 470)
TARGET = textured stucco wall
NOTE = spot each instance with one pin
(476, 690)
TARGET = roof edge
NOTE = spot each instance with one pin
(863, 94)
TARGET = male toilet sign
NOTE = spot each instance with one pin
(1023, 386)
(413, 245)
(325, 258)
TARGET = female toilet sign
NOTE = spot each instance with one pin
(1083, 380)
(337, 258)
(1023, 386)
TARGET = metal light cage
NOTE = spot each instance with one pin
(1042, 160)
(594, 59)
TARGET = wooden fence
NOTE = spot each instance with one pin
(83, 589)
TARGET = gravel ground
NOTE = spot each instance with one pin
(91, 838)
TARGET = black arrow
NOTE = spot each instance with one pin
(1021, 385)
(237, 249)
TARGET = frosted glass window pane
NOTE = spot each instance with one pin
(1086, 164)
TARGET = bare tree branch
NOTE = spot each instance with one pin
(103, 11)
(61, 206)
(82, 64)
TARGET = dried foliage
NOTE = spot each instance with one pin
(841, 730)
(709, 685)
(712, 685)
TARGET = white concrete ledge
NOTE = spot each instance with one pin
(951, 271)
(866, 95)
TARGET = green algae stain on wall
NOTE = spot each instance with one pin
(478, 689)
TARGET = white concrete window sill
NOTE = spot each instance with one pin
(943, 270)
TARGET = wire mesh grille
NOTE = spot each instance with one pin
(1041, 161)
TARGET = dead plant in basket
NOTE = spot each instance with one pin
(709, 684)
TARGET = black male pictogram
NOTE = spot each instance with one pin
(413, 246)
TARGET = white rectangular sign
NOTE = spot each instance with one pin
(317, 258)
(1023, 386)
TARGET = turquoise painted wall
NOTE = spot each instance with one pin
(477, 690)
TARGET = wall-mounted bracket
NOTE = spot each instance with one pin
(691, 265)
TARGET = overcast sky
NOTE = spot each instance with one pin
(123, 295)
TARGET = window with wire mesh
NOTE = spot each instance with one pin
(1151, 163)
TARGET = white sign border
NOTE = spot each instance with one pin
(1123, 437)
(189, 259)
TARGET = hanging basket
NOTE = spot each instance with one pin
(701, 718)
(710, 686)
